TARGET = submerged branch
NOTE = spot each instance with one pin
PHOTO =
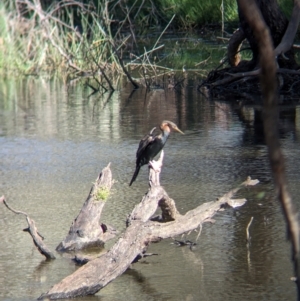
(32, 230)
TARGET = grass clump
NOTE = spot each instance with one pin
(102, 194)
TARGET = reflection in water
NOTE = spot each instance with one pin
(55, 140)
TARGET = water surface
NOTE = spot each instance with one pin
(55, 140)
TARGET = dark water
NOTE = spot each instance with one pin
(55, 140)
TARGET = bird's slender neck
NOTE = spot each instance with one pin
(165, 133)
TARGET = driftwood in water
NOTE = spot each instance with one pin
(86, 230)
(38, 239)
(133, 243)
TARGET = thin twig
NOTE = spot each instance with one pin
(163, 32)
(2, 199)
(122, 65)
(32, 230)
(247, 230)
(150, 51)
(199, 232)
(203, 62)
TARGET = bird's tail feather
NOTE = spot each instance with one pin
(137, 169)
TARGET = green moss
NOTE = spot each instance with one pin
(102, 194)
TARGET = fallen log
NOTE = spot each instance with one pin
(141, 231)
(38, 239)
(86, 230)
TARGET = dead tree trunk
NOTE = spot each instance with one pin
(86, 230)
(141, 231)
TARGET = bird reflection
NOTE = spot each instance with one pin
(152, 144)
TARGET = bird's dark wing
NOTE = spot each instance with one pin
(145, 141)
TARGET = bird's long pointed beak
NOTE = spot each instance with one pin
(178, 130)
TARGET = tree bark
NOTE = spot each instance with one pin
(141, 231)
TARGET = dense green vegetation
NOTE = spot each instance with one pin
(76, 38)
(198, 13)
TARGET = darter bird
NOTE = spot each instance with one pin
(152, 144)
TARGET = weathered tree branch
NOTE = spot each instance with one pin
(235, 76)
(32, 230)
(96, 274)
(234, 46)
(86, 230)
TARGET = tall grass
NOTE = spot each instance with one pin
(34, 40)
(74, 38)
